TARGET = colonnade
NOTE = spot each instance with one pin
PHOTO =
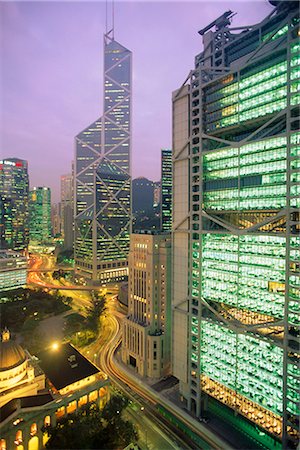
(31, 435)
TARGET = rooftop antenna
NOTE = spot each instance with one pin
(113, 19)
(105, 16)
(109, 33)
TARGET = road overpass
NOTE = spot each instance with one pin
(64, 288)
(64, 269)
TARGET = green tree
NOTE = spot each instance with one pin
(89, 429)
(23, 305)
(114, 408)
(94, 312)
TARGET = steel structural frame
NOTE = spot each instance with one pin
(198, 79)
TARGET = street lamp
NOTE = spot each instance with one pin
(77, 334)
(146, 432)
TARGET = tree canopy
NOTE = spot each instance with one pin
(91, 428)
(24, 304)
(94, 312)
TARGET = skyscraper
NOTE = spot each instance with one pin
(142, 195)
(40, 214)
(146, 329)
(14, 186)
(56, 225)
(102, 176)
(236, 290)
(67, 210)
(166, 189)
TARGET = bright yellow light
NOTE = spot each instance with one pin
(55, 346)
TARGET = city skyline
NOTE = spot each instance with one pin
(150, 314)
(47, 34)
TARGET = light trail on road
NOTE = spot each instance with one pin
(104, 350)
(105, 357)
(128, 386)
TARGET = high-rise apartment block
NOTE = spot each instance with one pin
(14, 187)
(166, 189)
(40, 214)
(67, 210)
(102, 176)
(146, 329)
(236, 285)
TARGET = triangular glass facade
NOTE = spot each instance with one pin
(103, 181)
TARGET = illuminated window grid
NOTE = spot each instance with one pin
(252, 411)
(250, 366)
(256, 95)
(267, 159)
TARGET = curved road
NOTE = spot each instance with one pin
(103, 352)
(145, 395)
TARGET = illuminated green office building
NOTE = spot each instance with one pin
(14, 188)
(103, 177)
(40, 215)
(166, 189)
(236, 241)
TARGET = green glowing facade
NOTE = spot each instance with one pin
(14, 189)
(40, 215)
(237, 144)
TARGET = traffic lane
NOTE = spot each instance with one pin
(150, 436)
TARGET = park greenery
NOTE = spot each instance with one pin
(91, 428)
(58, 274)
(65, 257)
(95, 311)
(19, 306)
(21, 311)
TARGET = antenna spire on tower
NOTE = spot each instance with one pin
(109, 33)
(113, 18)
(105, 16)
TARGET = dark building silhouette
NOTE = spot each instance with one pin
(142, 195)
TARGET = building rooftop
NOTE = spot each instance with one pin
(11, 355)
(65, 365)
(24, 402)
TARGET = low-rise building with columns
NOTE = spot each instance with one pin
(36, 391)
